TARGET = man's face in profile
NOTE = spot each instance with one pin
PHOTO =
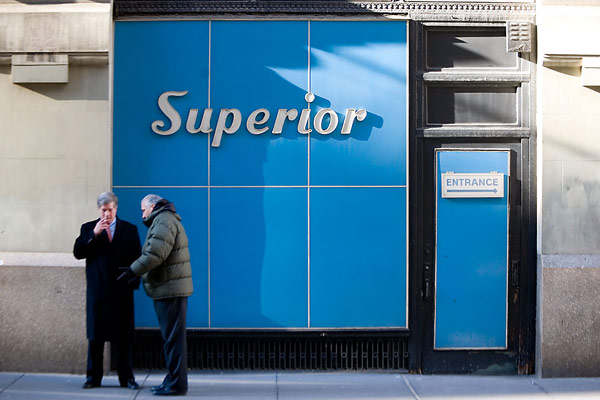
(146, 209)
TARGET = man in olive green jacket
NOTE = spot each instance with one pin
(167, 276)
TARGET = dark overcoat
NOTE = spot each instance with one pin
(109, 304)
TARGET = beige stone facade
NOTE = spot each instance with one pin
(55, 141)
(55, 157)
(569, 187)
(54, 160)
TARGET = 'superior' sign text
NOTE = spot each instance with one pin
(256, 123)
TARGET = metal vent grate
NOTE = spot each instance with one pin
(519, 36)
(267, 351)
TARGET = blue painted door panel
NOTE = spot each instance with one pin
(471, 258)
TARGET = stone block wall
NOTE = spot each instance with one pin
(569, 193)
(570, 340)
(42, 306)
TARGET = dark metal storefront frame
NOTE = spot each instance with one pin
(361, 349)
(424, 140)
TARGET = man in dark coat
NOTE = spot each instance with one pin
(109, 245)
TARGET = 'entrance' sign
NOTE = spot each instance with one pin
(472, 185)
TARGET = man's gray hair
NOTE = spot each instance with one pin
(151, 199)
(107, 198)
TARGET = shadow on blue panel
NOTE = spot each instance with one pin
(259, 257)
(275, 80)
(362, 130)
(249, 284)
(270, 80)
(335, 39)
(361, 34)
(360, 65)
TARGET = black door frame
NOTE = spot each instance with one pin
(519, 357)
(522, 272)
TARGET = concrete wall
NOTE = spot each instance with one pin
(569, 154)
(571, 163)
(42, 304)
(55, 155)
(571, 318)
(54, 158)
(55, 138)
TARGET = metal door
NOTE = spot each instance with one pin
(469, 258)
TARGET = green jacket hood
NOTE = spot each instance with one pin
(161, 206)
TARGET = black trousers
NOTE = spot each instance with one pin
(95, 360)
(172, 314)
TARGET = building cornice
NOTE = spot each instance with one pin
(417, 10)
(77, 29)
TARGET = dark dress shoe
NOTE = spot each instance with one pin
(90, 384)
(131, 384)
(159, 387)
(168, 392)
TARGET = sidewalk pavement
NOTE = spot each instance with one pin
(307, 385)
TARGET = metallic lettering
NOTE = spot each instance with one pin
(190, 126)
(228, 125)
(282, 115)
(251, 122)
(170, 112)
(231, 129)
(303, 122)
(351, 114)
(333, 121)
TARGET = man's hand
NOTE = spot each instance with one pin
(101, 226)
(127, 276)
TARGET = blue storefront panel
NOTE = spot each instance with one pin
(151, 58)
(259, 64)
(263, 206)
(259, 257)
(360, 64)
(191, 205)
(358, 269)
(471, 257)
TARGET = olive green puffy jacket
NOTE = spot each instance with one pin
(165, 261)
